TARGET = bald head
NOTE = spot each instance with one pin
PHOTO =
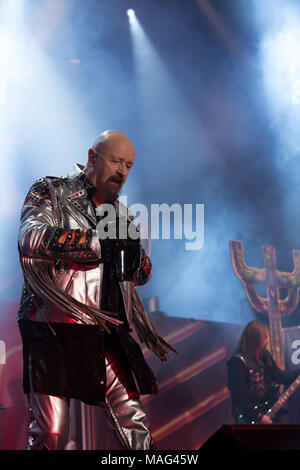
(112, 138)
(109, 162)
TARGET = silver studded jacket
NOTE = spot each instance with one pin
(58, 224)
(60, 255)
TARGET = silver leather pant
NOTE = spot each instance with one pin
(50, 417)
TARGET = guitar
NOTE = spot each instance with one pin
(283, 399)
(258, 410)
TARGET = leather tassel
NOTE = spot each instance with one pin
(147, 333)
(40, 274)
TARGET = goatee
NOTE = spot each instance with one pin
(108, 194)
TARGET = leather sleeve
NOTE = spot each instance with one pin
(41, 237)
(278, 375)
(238, 382)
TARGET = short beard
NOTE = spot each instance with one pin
(107, 194)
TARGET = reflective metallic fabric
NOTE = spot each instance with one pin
(65, 285)
(50, 204)
(50, 417)
(124, 407)
(49, 422)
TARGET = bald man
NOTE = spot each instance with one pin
(79, 304)
(109, 173)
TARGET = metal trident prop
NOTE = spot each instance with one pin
(273, 279)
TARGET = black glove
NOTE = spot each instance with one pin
(124, 256)
(128, 258)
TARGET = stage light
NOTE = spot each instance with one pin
(280, 69)
(281, 78)
(130, 13)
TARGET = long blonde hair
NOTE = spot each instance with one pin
(252, 338)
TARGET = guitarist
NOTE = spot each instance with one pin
(253, 376)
